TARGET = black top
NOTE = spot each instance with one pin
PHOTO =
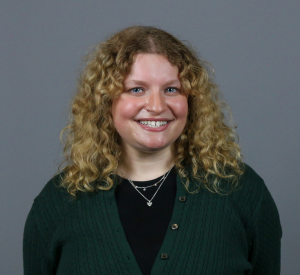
(145, 226)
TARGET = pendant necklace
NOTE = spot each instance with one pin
(161, 181)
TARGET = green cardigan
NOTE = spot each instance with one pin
(215, 234)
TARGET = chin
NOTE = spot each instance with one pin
(154, 147)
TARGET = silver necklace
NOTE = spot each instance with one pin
(146, 187)
(149, 202)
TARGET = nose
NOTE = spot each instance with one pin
(156, 102)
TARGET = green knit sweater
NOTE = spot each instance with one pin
(215, 234)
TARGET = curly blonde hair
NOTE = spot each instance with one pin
(92, 146)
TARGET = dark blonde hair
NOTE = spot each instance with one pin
(92, 146)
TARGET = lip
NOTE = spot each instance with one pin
(153, 119)
(154, 129)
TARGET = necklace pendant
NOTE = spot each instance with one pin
(144, 189)
(149, 203)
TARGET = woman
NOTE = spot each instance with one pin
(154, 181)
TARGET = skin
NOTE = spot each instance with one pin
(152, 92)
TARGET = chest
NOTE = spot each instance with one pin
(205, 235)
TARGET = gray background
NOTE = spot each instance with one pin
(253, 46)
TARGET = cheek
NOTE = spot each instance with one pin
(124, 109)
(180, 107)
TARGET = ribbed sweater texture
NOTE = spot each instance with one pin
(216, 234)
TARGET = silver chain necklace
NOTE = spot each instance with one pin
(149, 202)
(146, 187)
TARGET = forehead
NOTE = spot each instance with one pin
(152, 66)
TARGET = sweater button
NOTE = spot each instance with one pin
(182, 199)
(164, 256)
(174, 226)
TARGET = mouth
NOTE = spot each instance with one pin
(153, 124)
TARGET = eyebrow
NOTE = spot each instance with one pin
(141, 82)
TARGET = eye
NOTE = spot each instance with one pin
(136, 90)
(172, 90)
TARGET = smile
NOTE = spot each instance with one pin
(153, 124)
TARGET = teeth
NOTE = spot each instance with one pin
(153, 124)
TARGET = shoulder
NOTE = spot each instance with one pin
(250, 183)
(52, 202)
(54, 192)
(251, 187)
(252, 198)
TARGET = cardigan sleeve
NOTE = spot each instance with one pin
(40, 253)
(266, 238)
(33, 246)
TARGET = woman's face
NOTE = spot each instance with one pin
(151, 112)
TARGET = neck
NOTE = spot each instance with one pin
(143, 166)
